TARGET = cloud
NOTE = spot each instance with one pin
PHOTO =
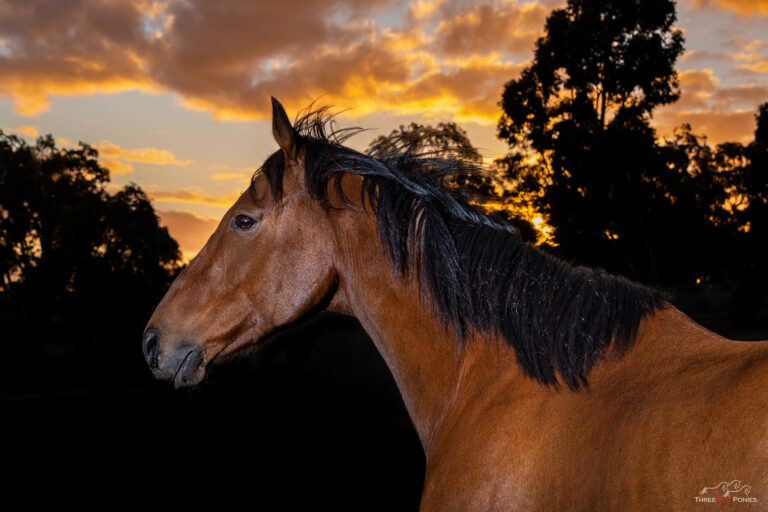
(423, 9)
(449, 59)
(694, 80)
(747, 59)
(695, 56)
(755, 45)
(239, 176)
(190, 195)
(116, 166)
(380, 74)
(116, 158)
(190, 230)
(228, 57)
(29, 131)
(751, 63)
(69, 48)
(742, 96)
(470, 90)
(722, 113)
(741, 7)
(154, 156)
(483, 28)
(718, 126)
(696, 88)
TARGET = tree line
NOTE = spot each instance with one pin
(81, 267)
(583, 150)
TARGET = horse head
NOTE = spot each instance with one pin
(269, 262)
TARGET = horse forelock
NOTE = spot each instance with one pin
(475, 270)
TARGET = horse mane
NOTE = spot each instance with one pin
(476, 270)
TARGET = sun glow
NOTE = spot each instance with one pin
(544, 232)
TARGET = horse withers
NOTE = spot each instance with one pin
(532, 384)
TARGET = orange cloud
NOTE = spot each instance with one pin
(470, 91)
(115, 158)
(229, 57)
(692, 56)
(721, 113)
(355, 76)
(29, 131)
(718, 126)
(240, 176)
(755, 46)
(190, 195)
(747, 59)
(218, 167)
(751, 63)
(116, 166)
(31, 92)
(143, 155)
(485, 28)
(696, 87)
(423, 9)
(189, 229)
(695, 80)
(69, 48)
(742, 96)
(741, 7)
(449, 59)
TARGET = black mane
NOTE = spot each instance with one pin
(475, 269)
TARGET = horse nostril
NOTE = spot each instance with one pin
(150, 346)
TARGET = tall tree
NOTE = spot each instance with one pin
(747, 169)
(598, 60)
(578, 124)
(753, 183)
(446, 139)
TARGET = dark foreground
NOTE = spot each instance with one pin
(314, 422)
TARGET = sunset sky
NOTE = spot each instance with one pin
(175, 94)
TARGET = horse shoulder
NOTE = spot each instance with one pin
(486, 453)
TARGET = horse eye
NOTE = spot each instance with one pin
(243, 222)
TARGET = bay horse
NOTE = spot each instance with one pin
(532, 384)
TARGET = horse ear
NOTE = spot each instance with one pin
(283, 131)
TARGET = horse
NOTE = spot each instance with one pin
(533, 384)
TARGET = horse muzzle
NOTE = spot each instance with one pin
(182, 365)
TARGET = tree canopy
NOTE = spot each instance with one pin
(581, 144)
(81, 264)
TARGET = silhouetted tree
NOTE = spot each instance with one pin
(694, 229)
(753, 182)
(81, 268)
(745, 167)
(446, 139)
(578, 124)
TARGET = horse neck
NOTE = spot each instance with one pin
(423, 355)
